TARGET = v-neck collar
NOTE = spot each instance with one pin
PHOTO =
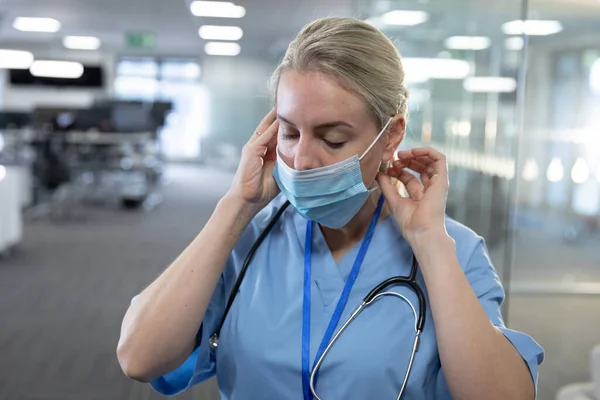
(328, 275)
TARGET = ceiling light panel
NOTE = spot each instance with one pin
(25, 24)
(436, 68)
(404, 17)
(222, 49)
(467, 43)
(214, 32)
(81, 42)
(532, 27)
(490, 84)
(56, 69)
(15, 59)
(217, 9)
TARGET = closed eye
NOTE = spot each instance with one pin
(334, 145)
(287, 136)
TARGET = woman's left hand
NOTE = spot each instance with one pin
(422, 213)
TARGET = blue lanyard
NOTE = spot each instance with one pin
(339, 308)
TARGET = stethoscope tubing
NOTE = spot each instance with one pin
(375, 294)
(355, 314)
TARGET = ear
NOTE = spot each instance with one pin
(396, 133)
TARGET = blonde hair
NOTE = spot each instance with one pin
(361, 59)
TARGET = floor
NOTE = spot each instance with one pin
(64, 292)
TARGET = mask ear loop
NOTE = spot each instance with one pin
(376, 139)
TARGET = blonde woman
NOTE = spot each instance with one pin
(291, 330)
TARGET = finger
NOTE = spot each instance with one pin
(413, 186)
(426, 179)
(390, 191)
(411, 164)
(260, 146)
(437, 165)
(428, 152)
(271, 152)
(423, 155)
(407, 157)
(267, 137)
(266, 122)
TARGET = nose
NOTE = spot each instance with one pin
(305, 156)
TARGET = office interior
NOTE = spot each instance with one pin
(122, 122)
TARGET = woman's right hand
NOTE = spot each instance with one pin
(253, 183)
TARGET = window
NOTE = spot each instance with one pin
(174, 80)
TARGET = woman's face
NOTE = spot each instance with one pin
(322, 123)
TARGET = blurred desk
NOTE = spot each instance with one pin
(107, 138)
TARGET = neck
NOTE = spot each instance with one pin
(355, 230)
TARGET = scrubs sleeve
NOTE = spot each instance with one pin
(201, 364)
(488, 288)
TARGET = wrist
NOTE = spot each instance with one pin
(431, 241)
(243, 210)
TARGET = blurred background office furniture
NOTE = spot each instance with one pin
(11, 225)
(587, 390)
(107, 153)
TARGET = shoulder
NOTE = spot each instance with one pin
(260, 222)
(265, 215)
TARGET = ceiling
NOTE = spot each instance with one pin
(269, 25)
(265, 24)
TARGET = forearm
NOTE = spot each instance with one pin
(477, 359)
(159, 328)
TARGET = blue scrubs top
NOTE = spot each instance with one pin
(259, 354)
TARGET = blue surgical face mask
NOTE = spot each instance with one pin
(330, 195)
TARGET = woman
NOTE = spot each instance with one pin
(340, 93)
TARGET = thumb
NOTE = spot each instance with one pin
(387, 187)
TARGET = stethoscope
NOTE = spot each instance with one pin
(375, 294)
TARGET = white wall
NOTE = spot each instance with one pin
(27, 98)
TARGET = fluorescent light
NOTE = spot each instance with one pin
(436, 68)
(467, 42)
(2, 172)
(15, 59)
(25, 24)
(489, 84)
(530, 170)
(595, 76)
(81, 42)
(405, 18)
(222, 49)
(555, 172)
(218, 9)
(56, 69)
(461, 128)
(214, 32)
(531, 27)
(580, 172)
(415, 76)
(514, 43)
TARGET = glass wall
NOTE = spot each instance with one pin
(556, 266)
(510, 91)
(463, 72)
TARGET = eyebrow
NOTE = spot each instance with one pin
(332, 124)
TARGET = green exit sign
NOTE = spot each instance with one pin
(140, 40)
